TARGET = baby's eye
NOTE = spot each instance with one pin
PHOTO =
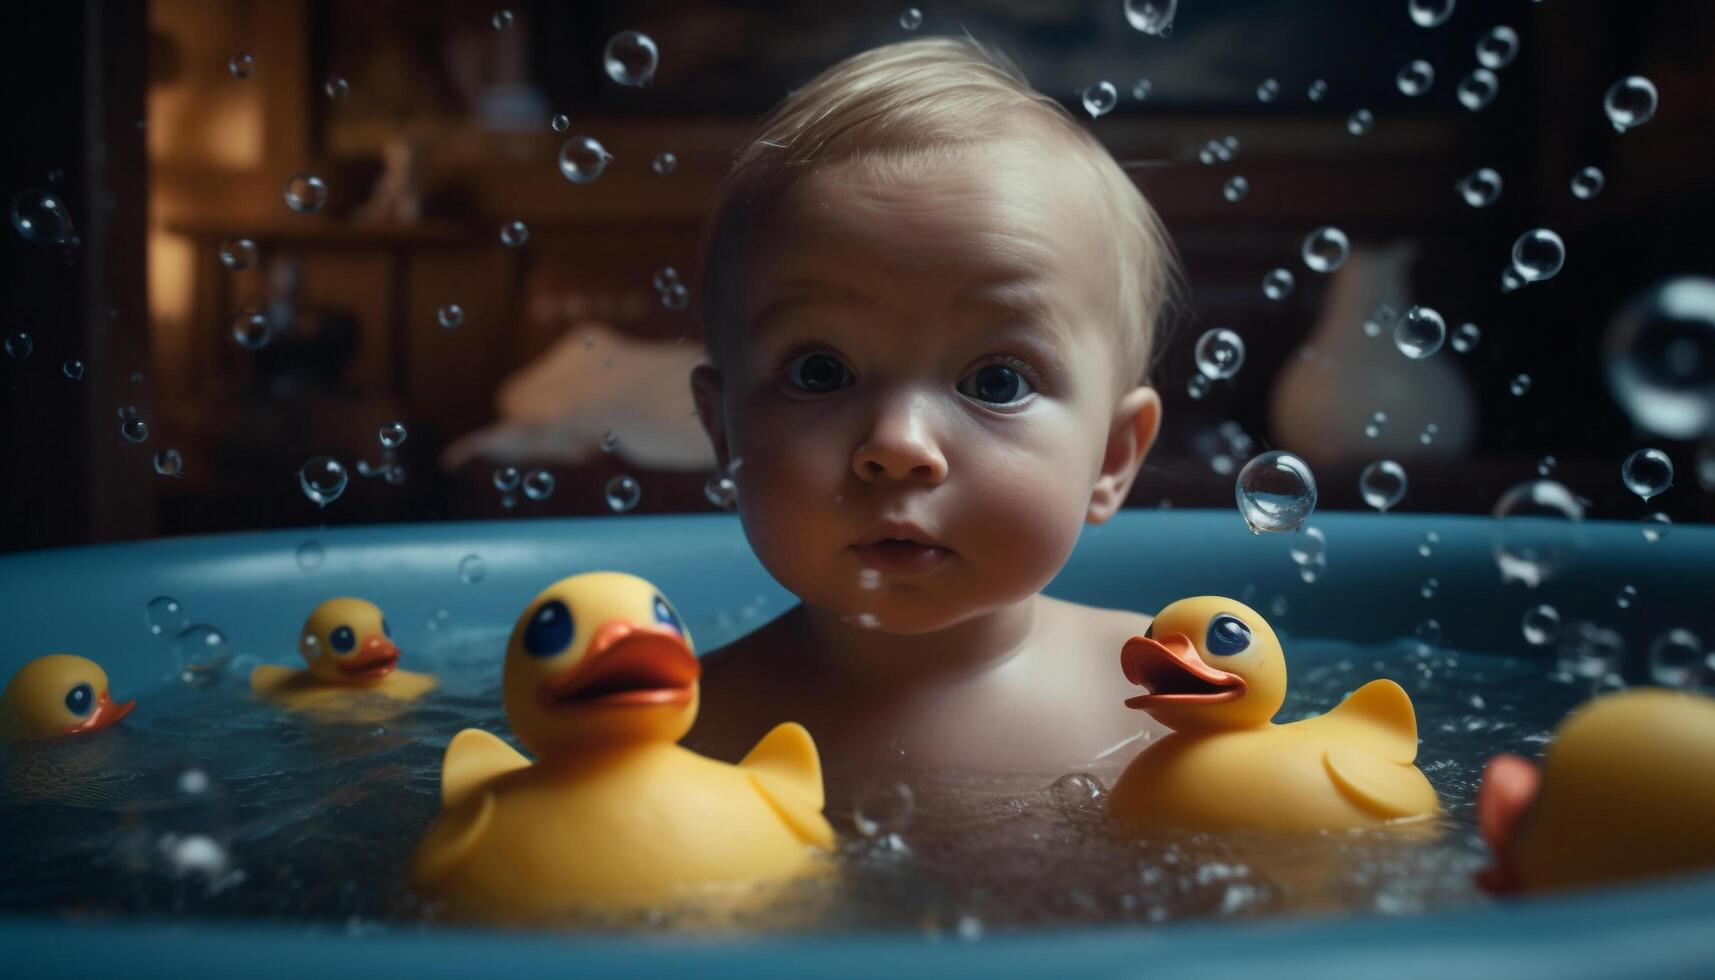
(817, 372)
(997, 384)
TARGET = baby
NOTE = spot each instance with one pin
(929, 303)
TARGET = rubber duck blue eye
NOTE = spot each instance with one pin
(550, 630)
(665, 614)
(1228, 635)
(343, 639)
(79, 699)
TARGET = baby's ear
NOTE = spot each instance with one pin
(706, 392)
(1136, 421)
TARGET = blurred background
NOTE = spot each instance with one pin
(194, 326)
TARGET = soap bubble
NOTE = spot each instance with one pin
(1429, 631)
(1659, 357)
(1545, 466)
(168, 462)
(1426, 547)
(322, 479)
(1497, 47)
(20, 345)
(1325, 249)
(1589, 651)
(1510, 279)
(539, 485)
(501, 20)
(450, 316)
(1480, 188)
(1308, 546)
(201, 654)
(1235, 188)
(1140, 89)
(242, 65)
(1275, 492)
(1429, 13)
(132, 427)
(609, 441)
(666, 276)
(163, 616)
(506, 479)
(883, 808)
(238, 254)
(1415, 77)
(1220, 353)
(1419, 333)
(1077, 789)
(1430, 431)
(252, 330)
(1538, 254)
(1198, 386)
(1477, 89)
(1100, 98)
(664, 163)
(676, 296)
(1427, 590)
(1532, 541)
(1587, 183)
(1377, 423)
(1627, 595)
(1277, 284)
(337, 87)
(392, 435)
(305, 193)
(560, 123)
(514, 233)
(622, 493)
(1647, 473)
(1656, 526)
(1519, 385)
(1383, 317)
(582, 159)
(911, 18)
(1151, 16)
(1541, 625)
(1360, 122)
(1316, 90)
(721, 491)
(472, 569)
(73, 369)
(1466, 337)
(41, 217)
(1267, 90)
(630, 58)
(1382, 484)
(1630, 102)
(1676, 658)
(311, 555)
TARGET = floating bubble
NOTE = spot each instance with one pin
(622, 493)
(1465, 338)
(501, 20)
(1140, 89)
(1198, 386)
(1541, 625)
(582, 159)
(1267, 90)
(1587, 183)
(514, 233)
(1656, 526)
(392, 435)
(1545, 466)
(20, 345)
(337, 87)
(1308, 546)
(911, 18)
(1430, 431)
(1077, 789)
(450, 316)
(1676, 658)
(1277, 284)
(1510, 279)
(472, 569)
(1151, 16)
(1383, 317)
(1589, 651)
(609, 441)
(1538, 254)
(1382, 484)
(73, 369)
(242, 65)
(1497, 47)
(1627, 595)
(883, 808)
(305, 193)
(1427, 590)
(539, 485)
(168, 462)
(132, 427)
(201, 653)
(252, 330)
(163, 616)
(1415, 77)
(1100, 98)
(394, 474)
(664, 163)
(1532, 541)
(1426, 547)
(1275, 492)
(1419, 333)
(1235, 188)
(1659, 357)
(1429, 631)
(1429, 13)
(506, 479)
(1220, 353)
(560, 123)
(311, 555)
(238, 254)
(630, 58)
(1477, 89)
(1317, 89)
(1519, 385)
(721, 491)
(1630, 102)
(1375, 426)
(322, 479)
(1360, 122)
(1480, 188)
(1325, 249)
(1647, 473)
(41, 217)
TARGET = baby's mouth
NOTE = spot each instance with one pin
(901, 555)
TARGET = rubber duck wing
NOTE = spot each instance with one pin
(473, 758)
(1388, 788)
(270, 680)
(451, 837)
(786, 770)
(1377, 716)
(408, 685)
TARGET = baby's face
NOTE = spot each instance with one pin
(936, 350)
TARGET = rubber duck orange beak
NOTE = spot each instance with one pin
(1510, 784)
(374, 660)
(627, 666)
(106, 713)
(1174, 673)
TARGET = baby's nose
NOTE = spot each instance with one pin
(902, 445)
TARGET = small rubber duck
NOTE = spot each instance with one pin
(349, 649)
(1626, 790)
(600, 681)
(1216, 676)
(59, 694)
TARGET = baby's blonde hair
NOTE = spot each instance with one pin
(915, 98)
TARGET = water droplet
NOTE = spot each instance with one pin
(1630, 102)
(1426, 547)
(1220, 353)
(1466, 337)
(609, 441)
(883, 808)
(1318, 88)
(676, 296)
(20, 345)
(1235, 188)
(501, 20)
(392, 435)
(1541, 625)
(1676, 658)
(1538, 254)
(242, 65)
(41, 217)
(506, 479)
(623, 493)
(664, 163)
(582, 159)
(1267, 90)
(322, 479)
(1198, 386)
(1647, 473)
(631, 58)
(1151, 16)
(163, 616)
(1627, 595)
(1656, 526)
(201, 654)
(1100, 98)
(1382, 484)
(1325, 249)
(1546, 465)
(1429, 631)
(539, 485)
(1277, 284)
(1140, 89)
(168, 462)
(1416, 77)
(305, 193)
(132, 427)
(1430, 431)
(1497, 47)
(337, 87)
(1480, 188)
(911, 18)
(1510, 279)
(73, 369)
(1275, 492)
(1477, 89)
(1077, 790)
(1419, 333)
(472, 569)
(1360, 122)
(1534, 551)
(560, 123)
(238, 254)
(1429, 13)
(252, 330)
(1429, 586)
(1520, 384)
(1308, 546)
(514, 233)
(1587, 183)
(450, 316)
(1659, 356)
(721, 491)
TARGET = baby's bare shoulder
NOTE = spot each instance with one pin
(1095, 625)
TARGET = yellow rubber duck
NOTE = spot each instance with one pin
(59, 694)
(1626, 790)
(1216, 676)
(349, 649)
(600, 682)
